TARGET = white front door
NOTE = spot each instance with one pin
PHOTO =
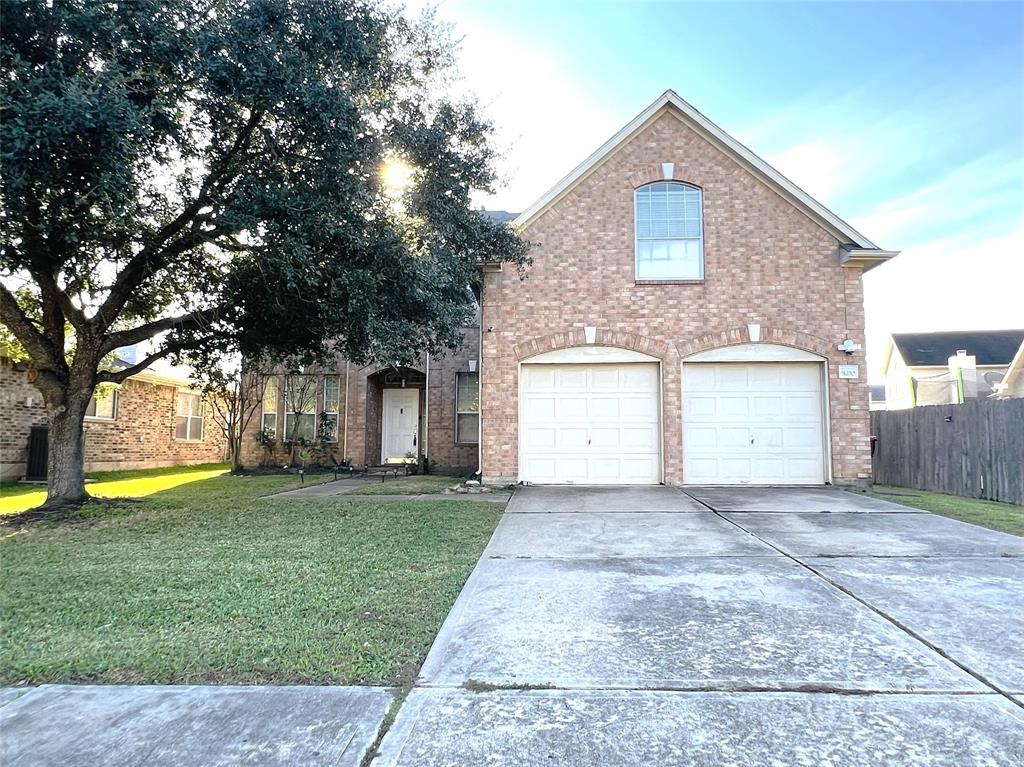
(757, 423)
(590, 424)
(400, 424)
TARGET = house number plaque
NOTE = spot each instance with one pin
(849, 371)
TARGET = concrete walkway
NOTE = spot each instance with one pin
(723, 627)
(110, 725)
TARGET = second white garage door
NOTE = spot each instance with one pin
(590, 424)
(753, 423)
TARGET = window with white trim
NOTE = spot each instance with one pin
(300, 408)
(467, 408)
(271, 392)
(669, 232)
(103, 404)
(188, 422)
(332, 408)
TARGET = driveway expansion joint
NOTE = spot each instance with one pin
(877, 610)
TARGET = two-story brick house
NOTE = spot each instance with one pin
(681, 323)
(691, 316)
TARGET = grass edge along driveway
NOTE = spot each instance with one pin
(210, 582)
(1002, 517)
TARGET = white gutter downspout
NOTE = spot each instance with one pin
(426, 410)
(344, 439)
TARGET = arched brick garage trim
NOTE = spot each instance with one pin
(605, 337)
(740, 335)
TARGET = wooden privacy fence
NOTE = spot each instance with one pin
(975, 449)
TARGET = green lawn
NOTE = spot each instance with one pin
(207, 582)
(423, 483)
(1004, 517)
(16, 498)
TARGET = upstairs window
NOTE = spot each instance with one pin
(188, 422)
(669, 232)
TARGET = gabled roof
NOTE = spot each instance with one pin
(498, 216)
(861, 250)
(988, 347)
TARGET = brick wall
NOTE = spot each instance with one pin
(141, 436)
(362, 419)
(765, 263)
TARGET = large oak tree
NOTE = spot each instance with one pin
(208, 173)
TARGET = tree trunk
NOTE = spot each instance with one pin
(235, 449)
(65, 470)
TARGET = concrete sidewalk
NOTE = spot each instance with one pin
(198, 726)
(721, 627)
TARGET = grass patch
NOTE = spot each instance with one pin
(207, 582)
(415, 485)
(1004, 517)
(17, 497)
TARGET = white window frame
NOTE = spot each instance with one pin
(458, 412)
(189, 416)
(276, 412)
(337, 412)
(288, 412)
(115, 396)
(699, 239)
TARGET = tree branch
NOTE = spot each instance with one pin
(118, 376)
(150, 258)
(150, 329)
(35, 342)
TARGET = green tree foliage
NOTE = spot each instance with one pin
(208, 173)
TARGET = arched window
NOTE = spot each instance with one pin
(669, 232)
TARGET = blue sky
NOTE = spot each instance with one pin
(906, 119)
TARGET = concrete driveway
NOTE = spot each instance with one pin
(720, 626)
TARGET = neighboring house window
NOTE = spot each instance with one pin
(332, 407)
(103, 404)
(188, 423)
(467, 407)
(270, 396)
(300, 408)
(669, 232)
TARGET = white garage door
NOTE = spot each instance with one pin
(590, 424)
(752, 423)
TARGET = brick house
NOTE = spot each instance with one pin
(152, 420)
(691, 316)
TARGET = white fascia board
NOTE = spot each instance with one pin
(789, 190)
(864, 258)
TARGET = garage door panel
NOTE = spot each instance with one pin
(698, 406)
(590, 423)
(644, 438)
(536, 438)
(805, 407)
(568, 378)
(640, 407)
(732, 407)
(604, 407)
(758, 423)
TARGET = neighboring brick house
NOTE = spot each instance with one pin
(690, 317)
(152, 420)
